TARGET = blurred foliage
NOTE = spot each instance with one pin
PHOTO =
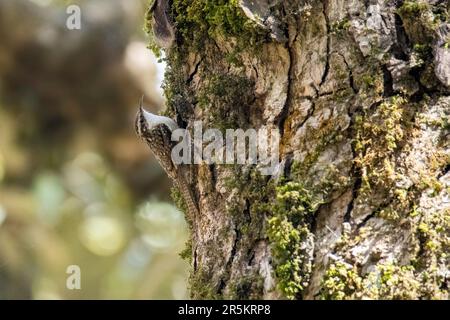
(76, 185)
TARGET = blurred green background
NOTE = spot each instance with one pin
(76, 185)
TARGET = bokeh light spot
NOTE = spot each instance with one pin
(102, 235)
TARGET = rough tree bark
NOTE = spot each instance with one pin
(359, 91)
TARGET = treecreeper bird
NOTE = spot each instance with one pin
(156, 131)
(162, 24)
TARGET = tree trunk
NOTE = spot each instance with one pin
(359, 92)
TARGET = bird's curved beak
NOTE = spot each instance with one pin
(141, 120)
(142, 112)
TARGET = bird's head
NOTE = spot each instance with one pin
(146, 121)
(141, 124)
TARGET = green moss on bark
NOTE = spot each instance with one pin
(227, 99)
(420, 21)
(380, 134)
(290, 237)
(201, 287)
(197, 20)
(389, 281)
(249, 287)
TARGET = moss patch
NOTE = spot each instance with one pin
(290, 237)
(227, 99)
(389, 281)
(380, 134)
(199, 19)
(419, 20)
(200, 286)
(248, 287)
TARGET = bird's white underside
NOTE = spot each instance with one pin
(154, 120)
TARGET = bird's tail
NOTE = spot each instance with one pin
(188, 197)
